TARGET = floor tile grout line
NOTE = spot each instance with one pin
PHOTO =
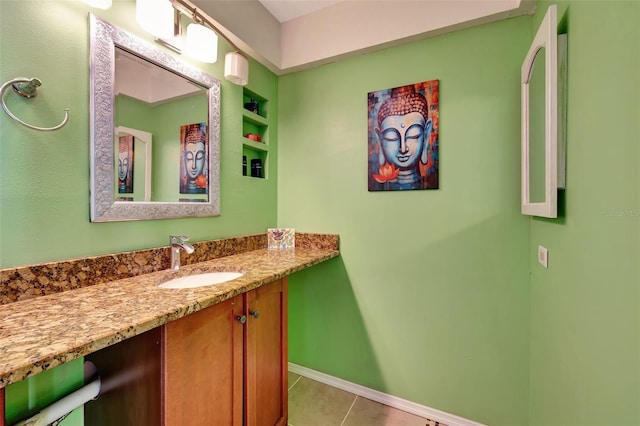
(294, 383)
(349, 411)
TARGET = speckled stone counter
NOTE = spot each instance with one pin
(43, 332)
(27, 282)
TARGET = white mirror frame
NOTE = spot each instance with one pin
(104, 38)
(546, 38)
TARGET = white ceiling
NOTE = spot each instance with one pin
(291, 35)
(286, 10)
(139, 79)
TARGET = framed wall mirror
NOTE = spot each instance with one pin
(139, 94)
(543, 106)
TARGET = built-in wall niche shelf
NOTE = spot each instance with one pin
(254, 103)
(255, 146)
(254, 162)
(255, 134)
(253, 124)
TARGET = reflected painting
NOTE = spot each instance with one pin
(125, 164)
(403, 138)
(193, 159)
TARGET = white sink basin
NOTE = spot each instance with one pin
(201, 280)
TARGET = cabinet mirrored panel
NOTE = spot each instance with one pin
(543, 109)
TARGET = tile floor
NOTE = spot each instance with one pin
(313, 403)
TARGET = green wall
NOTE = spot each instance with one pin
(44, 176)
(585, 331)
(430, 299)
(26, 398)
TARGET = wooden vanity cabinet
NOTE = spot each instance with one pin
(202, 367)
(2, 407)
(227, 364)
(266, 358)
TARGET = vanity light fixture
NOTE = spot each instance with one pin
(202, 43)
(99, 4)
(236, 67)
(175, 41)
(156, 17)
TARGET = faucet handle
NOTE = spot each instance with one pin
(175, 239)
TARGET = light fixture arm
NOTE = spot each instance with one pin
(198, 16)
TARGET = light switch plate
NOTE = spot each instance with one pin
(543, 256)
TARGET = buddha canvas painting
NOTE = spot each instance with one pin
(403, 137)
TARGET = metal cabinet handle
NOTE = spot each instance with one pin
(255, 313)
(241, 319)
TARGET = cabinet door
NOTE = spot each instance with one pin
(266, 355)
(203, 355)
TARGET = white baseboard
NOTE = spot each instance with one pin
(383, 398)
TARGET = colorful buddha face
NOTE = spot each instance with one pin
(194, 152)
(124, 162)
(194, 159)
(123, 165)
(404, 128)
(402, 139)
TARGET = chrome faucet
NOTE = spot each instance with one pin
(178, 242)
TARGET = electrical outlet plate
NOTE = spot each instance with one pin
(543, 256)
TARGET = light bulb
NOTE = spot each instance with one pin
(156, 17)
(202, 43)
(236, 68)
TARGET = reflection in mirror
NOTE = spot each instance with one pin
(133, 164)
(163, 104)
(536, 130)
(140, 93)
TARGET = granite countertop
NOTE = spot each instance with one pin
(44, 332)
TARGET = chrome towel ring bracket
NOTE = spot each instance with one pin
(27, 87)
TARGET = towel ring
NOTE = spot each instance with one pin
(27, 87)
